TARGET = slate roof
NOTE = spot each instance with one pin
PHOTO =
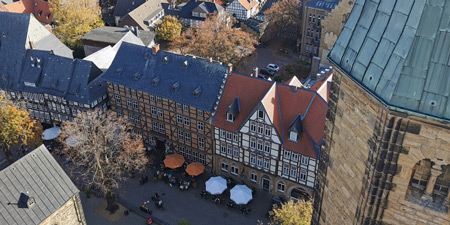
(39, 174)
(189, 7)
(144, 11)
(75, 80)
(322, 4)
(398, 51)
(282, 105)
(136, 67)
(123, 7)
(50, 42)
(112, 35)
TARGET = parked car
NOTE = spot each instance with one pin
(267, 72)
(273, 67)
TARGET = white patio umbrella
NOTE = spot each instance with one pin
(51, 133)
(216, 185)
(241, 194)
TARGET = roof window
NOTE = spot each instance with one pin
(185, 64)
(118, 71)
(197, 91)
(155, 81)
(136, 76)
(175, 86)
(165, 59)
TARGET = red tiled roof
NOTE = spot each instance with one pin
(3, 8)
(250, 91)
(272, 107)
(314, 121)
(220, 2)
(248, 5)
(32, 6)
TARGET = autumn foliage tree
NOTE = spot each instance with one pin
(74, 18)
(102, 151)
(216, 38)
(169, 29)
(293, 213)
(17, 127)
(284, 18)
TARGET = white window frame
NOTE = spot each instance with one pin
(224, 166)
(287, 154)
(252, 159)
(253, 143)
(305, 160)
(252, 126)
(253, 177)
(266, 163)
(160, 113)
(286, 170)
(294, 172)
(200, 126)
(260, 114)
(303, 175)
(187, 121)
(235, 152)
(293, 136)
(259, 161)
(268, 131)
(281, 186)
(234, 169)
(201, 142)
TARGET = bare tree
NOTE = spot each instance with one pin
(102, 151)
(284, 18)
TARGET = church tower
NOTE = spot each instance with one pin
(386, 154)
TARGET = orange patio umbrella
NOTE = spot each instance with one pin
(174, 161)
(195, 169)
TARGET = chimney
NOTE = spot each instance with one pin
(315, 76)
(314, 65)
(136, 31)
(230, 67)
(31, 45)
(209, 59)
(126, 27)
(322, 74)
(155, 49)
(255, 71)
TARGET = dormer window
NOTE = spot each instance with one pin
(175, 86)
(155, 81)
(118, 71)
(185, 63)
(197, 91)
(293, 136)
(165, 59)
(230, 117)
(260, 114)
(136, 76)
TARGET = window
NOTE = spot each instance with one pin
(252, 127)
(118, 100)
(303, 175)
(253, 143)
(260, 114)
(187, 121)
(127, 90)
(133, 92)
(155, 126)
(293, 136)
(115, 87)
(224, 166)
(259, 161)
(252, 159)
(178, 105)
(187, 137)
(153, 110)
(280, 186)
(201, 142)
(235, 137)
(222, 133)
(228, 136)
(234, 169)
(260, 145)
(293, 172)
(158, 99)
(287, 154)
(229, 150)
(160, 113)
(185, 108)
(199, 112)
(152, 98)
(236, 152)
(230, 117)
(268, 131)
(223, 149)
(138, 119)
(253, 177)
(266, 164)
(179, 119)
(304, 160)
(129, 103)
(200, 126)
(285, 170)
(267, 147)
(47, 16)
(40, 12)
(260, 129)
(180, 135)
(294, 157)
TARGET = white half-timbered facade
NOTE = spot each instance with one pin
(243, 9)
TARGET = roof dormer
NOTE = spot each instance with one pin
(295, 128)
(175, 86)
(233, 110)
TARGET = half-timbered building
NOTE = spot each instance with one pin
(268, 135)
(169, 98)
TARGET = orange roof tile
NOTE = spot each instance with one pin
(3, 8)
(20, 7)
(248, 5)
(38, 8)
(272, 106)
(250, 91)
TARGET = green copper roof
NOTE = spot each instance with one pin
(399, 50)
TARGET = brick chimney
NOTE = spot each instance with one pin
(209, 59)
(155, 49)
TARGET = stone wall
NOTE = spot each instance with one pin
(71, 213)
(331, 28)
(367, 160)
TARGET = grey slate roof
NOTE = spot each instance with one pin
(75, 80)
(40, 175)
(399, 51)
(136, 67)
(50, 42)
(323, 4)
(234, 108)
(112, 35)
(192, 6)
(123, 7)
(144, 11)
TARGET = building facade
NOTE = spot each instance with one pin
(170, 99)
(193, 13)
(262, 139)
(243, 9)
(394, 167)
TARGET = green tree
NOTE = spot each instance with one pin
(170, 29)
(284, 18)
(293, 213)
(17, 127)
(74, 18)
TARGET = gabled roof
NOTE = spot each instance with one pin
(169, 68)
(271, 103)
(39, 8)
(141, 13)
(75, 80)
(113, 35)
(296, 125)
(193, 6)
(250, 91)
(248, 5)
(123, 7)
(294, 81)
(398, 51)
(37, 175)
(52, 43)
(234, 108)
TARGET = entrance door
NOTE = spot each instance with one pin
(265, 184)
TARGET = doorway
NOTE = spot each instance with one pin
(266, 183)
